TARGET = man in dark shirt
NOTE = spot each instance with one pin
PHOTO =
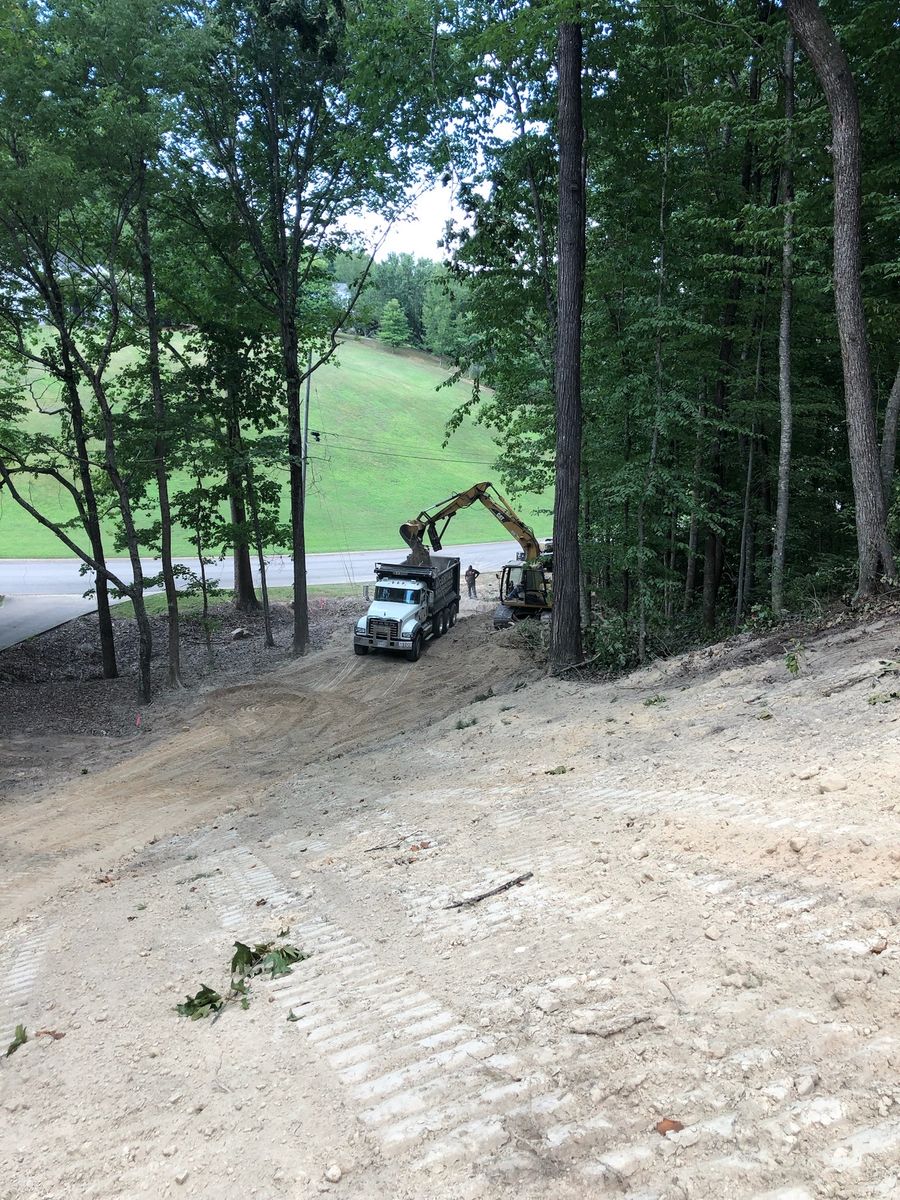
(471, 576)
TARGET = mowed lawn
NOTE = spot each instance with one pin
(377, 462)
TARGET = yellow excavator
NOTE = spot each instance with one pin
(525, 585)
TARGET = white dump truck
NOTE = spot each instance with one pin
(411, 604)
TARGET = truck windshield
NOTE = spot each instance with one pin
(397, 595)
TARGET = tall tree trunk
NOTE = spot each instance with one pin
(260, 551)
(244, 594)
(92, 525)
(745, 532)
(160, 448)
(889, 439)
(658, 387)
(710, 577)
(784, 338)
(832, 68)
(289, 347)
(565, 643)
(690, 575)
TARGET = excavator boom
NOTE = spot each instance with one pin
(413, 531)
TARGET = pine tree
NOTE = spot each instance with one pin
(393, 329)
(439, 333)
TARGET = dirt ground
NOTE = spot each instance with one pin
(705, 932)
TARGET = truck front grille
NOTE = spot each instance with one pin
(379, 627)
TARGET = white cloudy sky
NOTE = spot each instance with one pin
(420, 233)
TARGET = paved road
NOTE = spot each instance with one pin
(43, 592)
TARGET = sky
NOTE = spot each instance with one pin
(420, 233)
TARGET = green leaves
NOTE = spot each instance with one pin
(196, 1007)
(246, 962)
(20, 1037)
(266, 956)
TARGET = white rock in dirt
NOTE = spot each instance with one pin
(712, 933)
(547, 1002)
(797, 844)
(684, 1137)
(805, 1084)
(333, 1173)
(832, 783)
(639, 850)
(181, 1177)
(807, 772)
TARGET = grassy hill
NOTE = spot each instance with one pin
(378, 461)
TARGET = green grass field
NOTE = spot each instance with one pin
(377, 463)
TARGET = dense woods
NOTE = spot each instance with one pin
(677, 278)
(733, 419)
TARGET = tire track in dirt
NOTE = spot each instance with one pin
(439, 1091)
(20, 965)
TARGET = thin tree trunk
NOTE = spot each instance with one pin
(710, 577)
(244, 594)
(92, 527)
(260, 552)
(690, 576)
(565, 644)
(658, 382)
(204, 587)
(784, 339)
(832, 68)
(92, 523)
(745, 532)
(670, 572)
(300, 642)
(160, 447)
(889, 439)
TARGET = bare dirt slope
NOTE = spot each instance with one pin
(706, 935)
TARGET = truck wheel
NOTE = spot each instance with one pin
(413, 654)
(360, 649)
(437, 625)
(453, 612)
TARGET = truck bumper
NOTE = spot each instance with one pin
(375, 643)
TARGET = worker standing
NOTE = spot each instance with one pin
(471, 576)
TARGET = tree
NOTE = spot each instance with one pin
(832, 68)
(439, 323)
(393, 328)
(784, 339)
(565, 644)
(304, 113)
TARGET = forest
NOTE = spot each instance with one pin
(672, 289)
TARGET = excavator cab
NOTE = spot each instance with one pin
(524, 592)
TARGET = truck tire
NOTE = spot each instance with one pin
(413, 654)
(360, 649)
(453, 611)
(438, 625)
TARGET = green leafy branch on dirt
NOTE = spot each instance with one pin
(246, 962)
(20, 1037)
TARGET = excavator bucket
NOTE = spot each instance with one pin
(418, 554)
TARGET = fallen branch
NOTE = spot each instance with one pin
(504, 887)
(387, 846)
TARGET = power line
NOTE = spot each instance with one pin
(488, 462)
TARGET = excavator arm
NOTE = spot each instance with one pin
(427, 522)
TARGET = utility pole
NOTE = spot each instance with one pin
(306, 427)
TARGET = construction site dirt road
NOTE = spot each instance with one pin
(693, 991)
